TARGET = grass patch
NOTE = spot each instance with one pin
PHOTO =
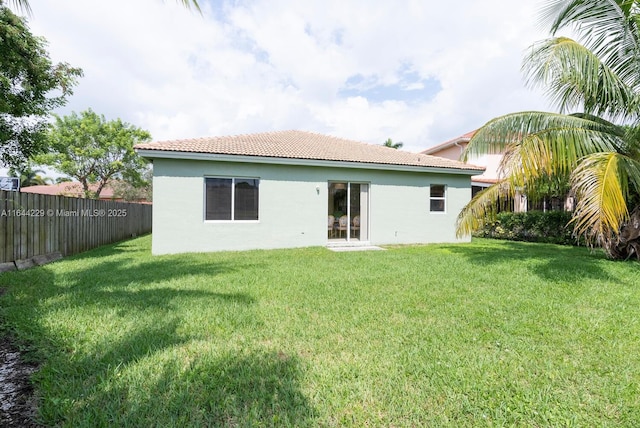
(490, 333)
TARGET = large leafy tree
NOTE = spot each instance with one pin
(94, 150)
(30, 87)
(594, 140)
(141, 191)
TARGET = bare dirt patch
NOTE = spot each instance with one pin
(17, 402)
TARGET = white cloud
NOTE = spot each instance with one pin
(277, 64)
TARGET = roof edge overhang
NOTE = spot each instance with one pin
(445, 145)
(166, 154)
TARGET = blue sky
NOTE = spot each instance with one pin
(414, 71)
(410, 87)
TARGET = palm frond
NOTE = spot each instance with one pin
(483, 208)
(601, 186)
(632, 140)
(609, 28)
(574, 77)
(23, 6)
(631, 166)
(191, 3)
(594, 16)
(537, 143)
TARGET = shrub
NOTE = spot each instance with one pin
(533, 226)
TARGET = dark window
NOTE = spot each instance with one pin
(437, 198)
(246, 199)
(231, 198)
(218, 198)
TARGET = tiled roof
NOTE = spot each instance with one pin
(481, 179)
(68, 188)
(464, 138)
(302, 145)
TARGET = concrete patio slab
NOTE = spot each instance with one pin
(355, 248)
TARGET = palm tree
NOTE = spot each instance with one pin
(29, 176)
(390, 143)
(597, 148)
(24, 6)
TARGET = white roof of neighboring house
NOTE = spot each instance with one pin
(298, 145)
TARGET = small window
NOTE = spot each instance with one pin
(437, 197)
(231, 199)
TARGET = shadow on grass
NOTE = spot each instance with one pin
(126, 282)
(117, 283)
(69, 380)
(246, 389)
(547, 261)
(189, 387)
(145, 297)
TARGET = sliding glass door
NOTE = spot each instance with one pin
(348, 217)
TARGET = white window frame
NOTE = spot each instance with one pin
(233, 199)
(438, 198)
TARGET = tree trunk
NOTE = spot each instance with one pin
(627, 244)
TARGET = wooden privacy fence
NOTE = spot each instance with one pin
(33, 225)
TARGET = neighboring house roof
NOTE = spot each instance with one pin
(465, 138)
(454, 148)
(482, 180)
(298, 145)
(68, 188)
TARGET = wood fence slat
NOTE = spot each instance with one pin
(10, 247)
(22, 249)
(33, 241)
(34, 225)
(40, 230)
(3, 224)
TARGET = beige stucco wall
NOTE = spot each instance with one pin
(293, 206)
(491, 162)
(452, 152)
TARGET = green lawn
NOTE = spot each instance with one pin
(490, 333)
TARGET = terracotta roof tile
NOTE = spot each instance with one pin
(480, 179)
(67, 188)
(74, 189)
(303, 145)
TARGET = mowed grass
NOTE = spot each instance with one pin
(490, 333)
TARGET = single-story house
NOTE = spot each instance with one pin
(289, 189)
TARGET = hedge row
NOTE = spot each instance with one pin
(533, 226)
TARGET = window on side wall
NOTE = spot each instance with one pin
(231, 199)
(437, 198)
